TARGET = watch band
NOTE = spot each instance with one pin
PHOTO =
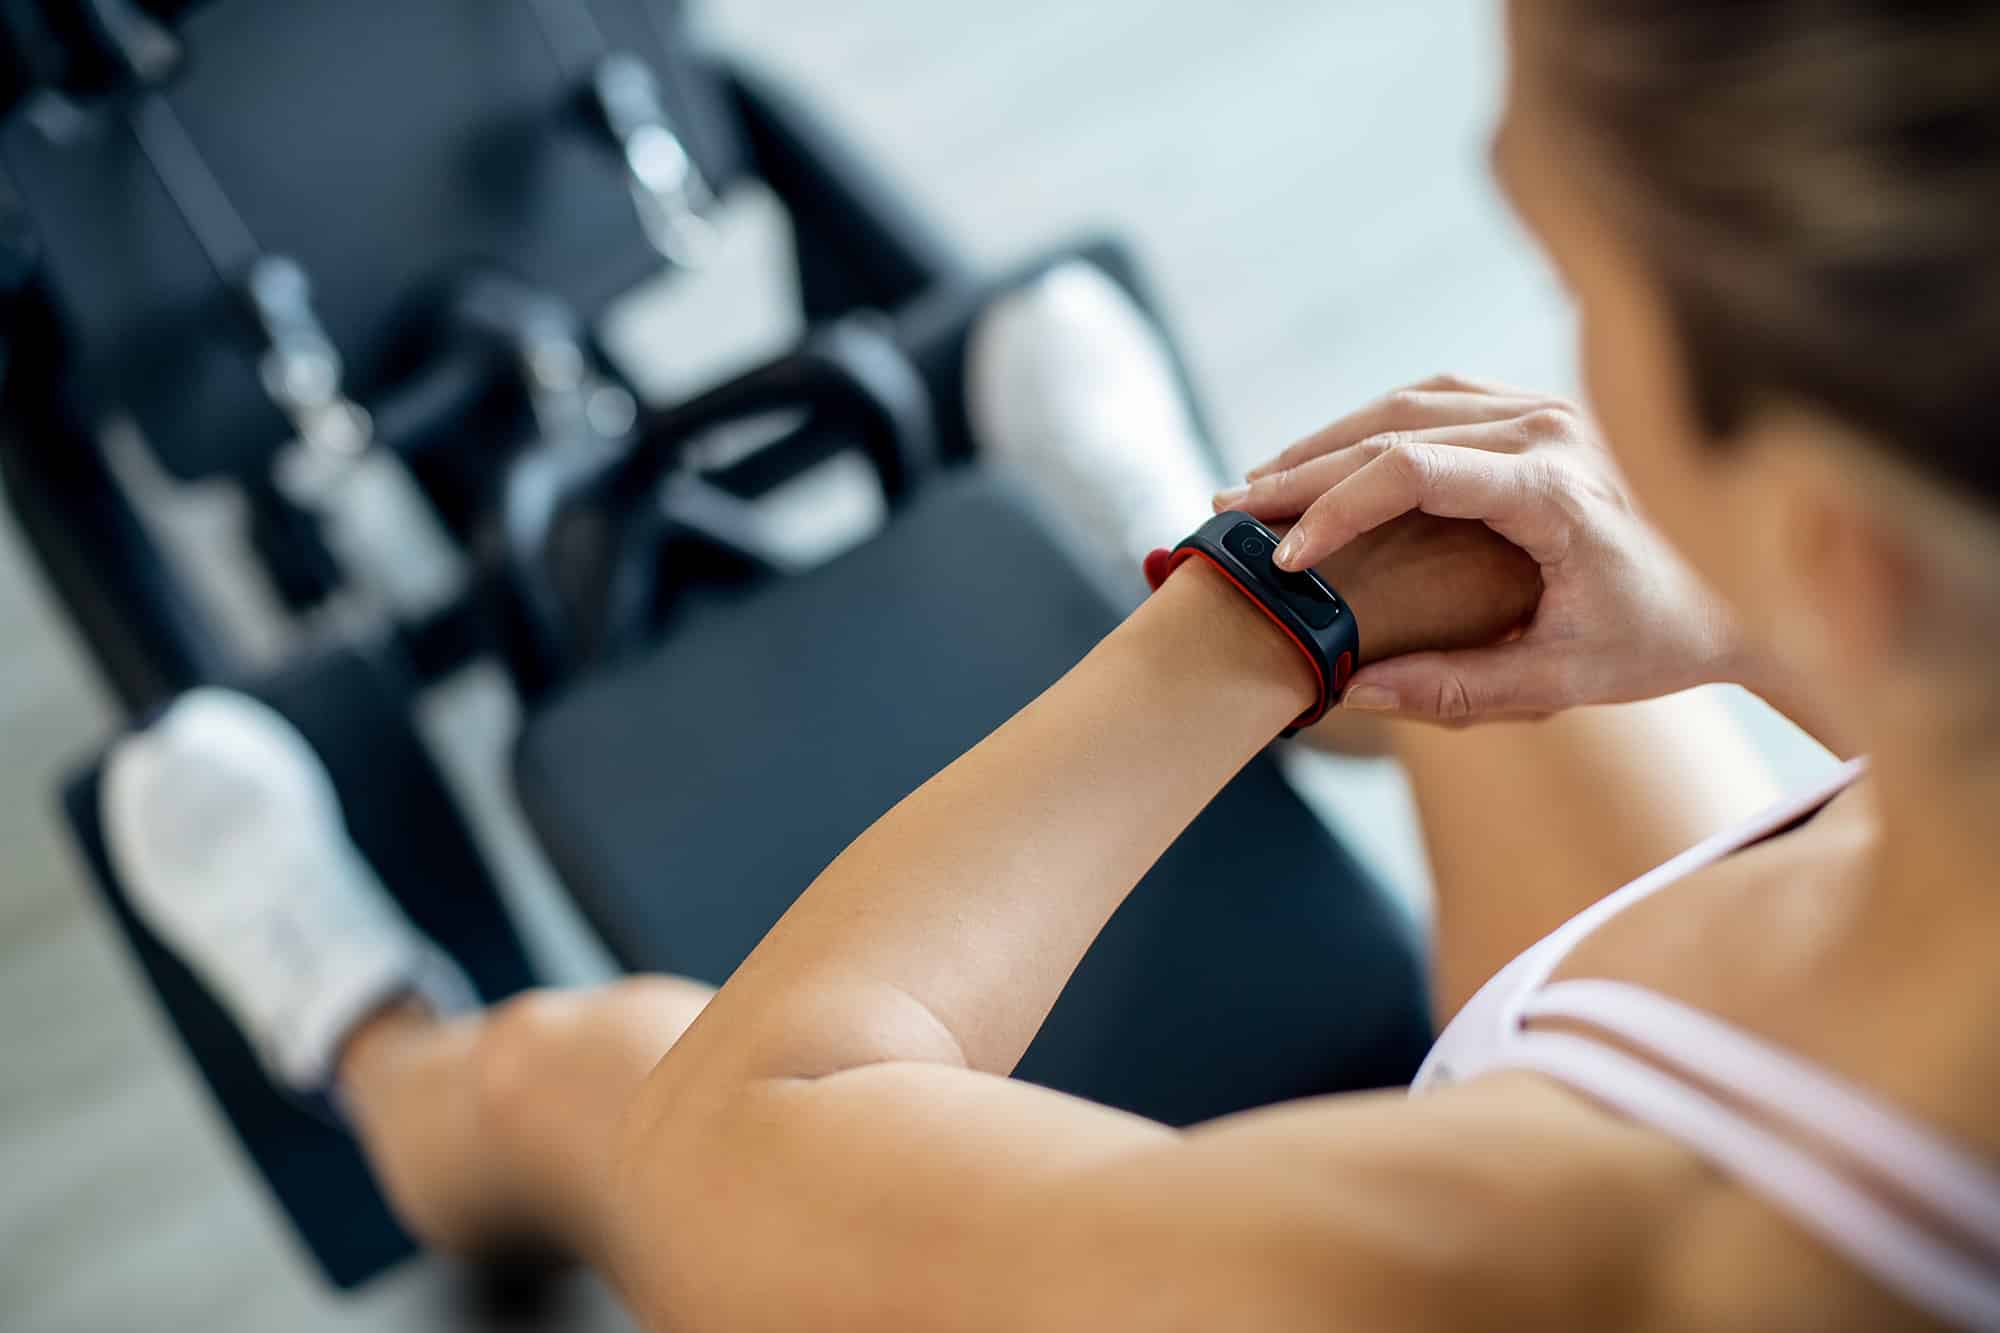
(1303, 605)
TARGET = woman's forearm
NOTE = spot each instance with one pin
(947, 930)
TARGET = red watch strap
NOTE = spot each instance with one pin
(1163, 562)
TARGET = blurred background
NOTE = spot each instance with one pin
(1305, 183)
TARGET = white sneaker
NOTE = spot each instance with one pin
(1071, 392)
(227, 835)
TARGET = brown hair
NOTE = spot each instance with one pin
(1818, 183)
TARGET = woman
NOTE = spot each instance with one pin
(1752, 1089)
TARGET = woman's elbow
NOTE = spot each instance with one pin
(671, 1152)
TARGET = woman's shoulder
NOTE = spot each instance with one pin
(1745, 937)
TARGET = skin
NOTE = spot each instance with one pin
(830, 1139)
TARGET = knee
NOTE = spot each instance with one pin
(517, 1051)
(578, 1056)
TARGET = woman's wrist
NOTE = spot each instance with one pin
(1419, 583)
(1216, 641)
(1423, 583)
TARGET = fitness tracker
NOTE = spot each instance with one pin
(1303, 605)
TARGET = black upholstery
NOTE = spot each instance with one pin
(690, 794)
(353, 709)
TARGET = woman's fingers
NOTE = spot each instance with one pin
(1448, 382)
(1509, 493)
(1288, 492)
(1420, 408)
(1511, 681)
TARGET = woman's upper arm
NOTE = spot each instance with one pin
(922, 1196)
(1506, 1202)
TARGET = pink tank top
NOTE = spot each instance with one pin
(1942, 1255)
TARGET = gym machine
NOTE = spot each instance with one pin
(351, 257)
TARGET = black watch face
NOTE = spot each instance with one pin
(1305, 593)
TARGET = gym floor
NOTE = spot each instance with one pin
(1305, 182)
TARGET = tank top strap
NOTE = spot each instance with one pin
(1750, 1070)
(1951, 1269)
(1554, 948)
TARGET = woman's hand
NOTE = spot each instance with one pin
(1620, 617)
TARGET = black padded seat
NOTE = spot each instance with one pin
(689, 794)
